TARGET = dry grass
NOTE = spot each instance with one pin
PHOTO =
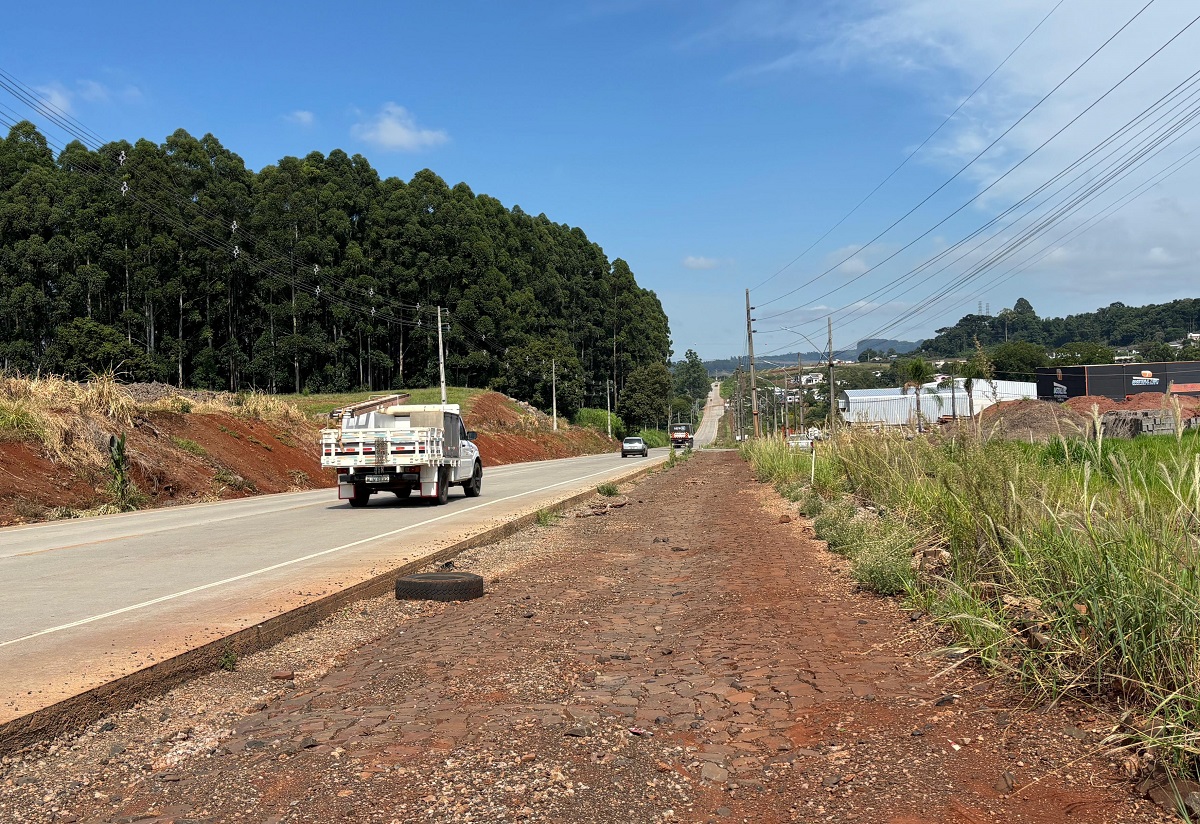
(72, 421)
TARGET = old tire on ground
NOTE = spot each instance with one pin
(474, 486)
(360, 496)
(439, 586)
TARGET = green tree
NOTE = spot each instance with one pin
(1017, 360)
(978, 368)
(691, 378)
(82, 347)
(1082, 352)
(1156, 353)
(647, 395)
(918, 372)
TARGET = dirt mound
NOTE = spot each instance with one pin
(1032, 420)
(492, 410)
(511, 431)
(1145, 401)
(1084, 403)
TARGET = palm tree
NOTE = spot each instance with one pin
(971, 372)
(919, 372)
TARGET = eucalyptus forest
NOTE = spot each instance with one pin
(174, 262)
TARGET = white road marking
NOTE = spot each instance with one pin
(273, 567)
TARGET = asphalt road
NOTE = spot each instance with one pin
(88, 601)
(714, 408)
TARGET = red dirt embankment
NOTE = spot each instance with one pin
(177, 457)
(1189, 405)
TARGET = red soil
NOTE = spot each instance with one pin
(1188, 404)
(235, 457)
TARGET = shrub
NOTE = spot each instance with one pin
(654, 437)
(608, 490)
(598, 419)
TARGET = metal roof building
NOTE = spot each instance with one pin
(895, 407)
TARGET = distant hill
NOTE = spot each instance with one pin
(1116, 325)
(727, 365)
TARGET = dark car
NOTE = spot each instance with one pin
(634, 446)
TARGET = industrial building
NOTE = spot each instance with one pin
(1118, 380)
(897, 407)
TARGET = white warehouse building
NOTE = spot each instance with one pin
(896, 407)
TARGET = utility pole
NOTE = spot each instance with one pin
(738, 404)
(608, 404)
(800, 380)
(753, 377)
(786, 418)
(554, 392)
(832, 385)
(441, 356)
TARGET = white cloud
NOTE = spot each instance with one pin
(57, 96)
(395, 129)
(700, 262)
(300, 117)
(93, 91)
(62, 97)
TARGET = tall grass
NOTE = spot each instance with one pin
(1074, 564)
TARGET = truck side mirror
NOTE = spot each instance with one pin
(472, 435)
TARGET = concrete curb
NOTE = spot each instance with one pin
(79, 711)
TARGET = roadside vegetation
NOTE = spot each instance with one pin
(601, 420)
(654, 437)
(1074, 565)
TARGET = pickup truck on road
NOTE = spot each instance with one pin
(402, 448)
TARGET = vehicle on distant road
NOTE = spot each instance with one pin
(634, 446)
(681, 435)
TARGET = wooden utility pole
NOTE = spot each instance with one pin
(753, 377)
(800, 388)
(832, 385)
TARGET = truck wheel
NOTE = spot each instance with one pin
(360, 497)
(402, 493)
(439, 586)
(443, 487)
(474, 486)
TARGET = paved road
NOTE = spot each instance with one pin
(714, 408)
(91, 600)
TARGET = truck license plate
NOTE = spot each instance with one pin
(377, 479)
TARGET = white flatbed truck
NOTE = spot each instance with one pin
(401, 448)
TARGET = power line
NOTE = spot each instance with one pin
(970, 163)
(914, 152)
(1175, 92)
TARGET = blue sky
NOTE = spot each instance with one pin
(709, 144)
